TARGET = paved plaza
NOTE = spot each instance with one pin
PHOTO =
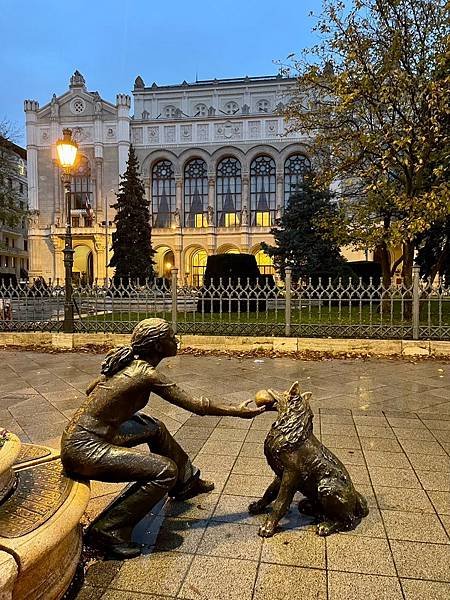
(387, 420)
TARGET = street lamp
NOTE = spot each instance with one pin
(66, 149)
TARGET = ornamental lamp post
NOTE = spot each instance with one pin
(66, 149)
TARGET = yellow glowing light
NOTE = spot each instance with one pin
(168, 265)
(66, 149)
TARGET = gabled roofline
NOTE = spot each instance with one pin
(216, 82)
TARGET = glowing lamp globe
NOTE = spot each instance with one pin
(66, 150)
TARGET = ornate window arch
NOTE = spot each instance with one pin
(231, 108)
(163, 193)
(262, 106)
(295, 168)
(200, 110)
(228, 192)
(170, 111)
(195, 193)
(82, 189)
(262, 191)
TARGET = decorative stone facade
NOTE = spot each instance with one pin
(216, 162)
(13, 240)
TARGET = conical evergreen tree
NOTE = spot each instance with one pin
(131, 242)
(300, 243)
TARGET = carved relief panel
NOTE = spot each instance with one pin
(153, 134)
(169, 134)
(228, 131)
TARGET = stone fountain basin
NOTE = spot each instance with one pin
(8, 455)
(40, 531)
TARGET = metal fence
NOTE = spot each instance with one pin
(339, 309)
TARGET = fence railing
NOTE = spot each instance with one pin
(312, 308)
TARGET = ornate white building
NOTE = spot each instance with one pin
(13, 240)
(216, 162)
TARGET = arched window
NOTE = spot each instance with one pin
(262, 192)
(170, 111)
(163, 194)
(228, 192)
(81, 188)
(198, 267)
(295, 168)
(265, 263)
(195, 193)
(262, 106)
(231, 108)
(200, 110)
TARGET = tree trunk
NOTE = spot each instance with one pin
(408, 261)
(386, 278)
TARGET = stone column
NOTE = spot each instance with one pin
(98, 208)
(280, 190)
(31, 107)
(123, 103)
(212, 199)
(179, 197)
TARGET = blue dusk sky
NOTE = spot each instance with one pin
(112, 42)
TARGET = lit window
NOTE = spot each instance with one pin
(231, 220)
(231, 108)
(163, 193)
(195, 193)
(262, 191)
(200, 220)
(200, 110)
(21, 167)
(262, 106)
(228, 192)
(295, 168)
(170, 112)
(263, 219)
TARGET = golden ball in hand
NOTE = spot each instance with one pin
(263, 397)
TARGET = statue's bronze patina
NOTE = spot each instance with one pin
(98, 442)
(301, 463)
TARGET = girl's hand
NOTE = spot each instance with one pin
(244, 412)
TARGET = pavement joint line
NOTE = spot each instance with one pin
(379, 509)
(422, 487)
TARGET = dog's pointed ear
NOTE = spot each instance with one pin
(306, 396)
(294, 390)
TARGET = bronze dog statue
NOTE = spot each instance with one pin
(301, 463)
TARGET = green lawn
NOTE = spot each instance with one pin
(344, 315)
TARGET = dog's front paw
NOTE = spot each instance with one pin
(327, 528)
(256, 508)
(268, 529)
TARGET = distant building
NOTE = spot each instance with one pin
(216, 162)
(13, 240)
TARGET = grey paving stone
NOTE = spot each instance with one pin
(415, 589)
(414, 434)
(102, 573)
(381, 444)
(281, 582)
(400, 478)
(157, 573)
(434, 481)
(421, 447)
(244, 485)
(390, 460)
(217, 578)
(223, 447)
(355, 586)
(234, 509)
(415, 527)
(297, 548)
(413, 500)
(341, 441)
(422, 561)
(430, 462)
(252, 466)
(228, 435)
(231, 540)
(200, 507)
(359, 554)
(441, 501)
(215, 462)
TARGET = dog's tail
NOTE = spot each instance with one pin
(362, 510)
